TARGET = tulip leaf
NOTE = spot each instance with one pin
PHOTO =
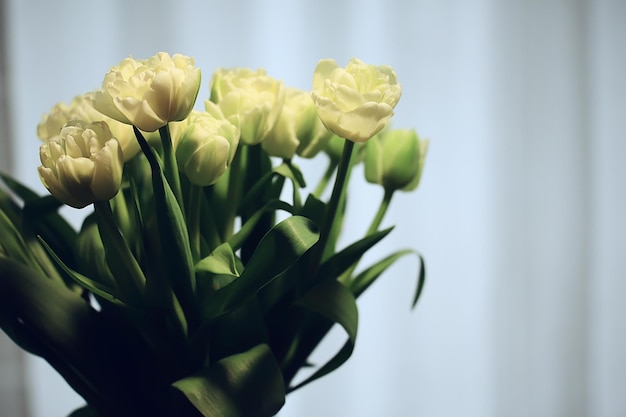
(122, 263)
(51, 321)
(221, 261)
(12, 244)
(41, 218)
(333, 301)
(293, 173)
(247, 384)
(85, 411)
(89, 284)
(284, 170)
(177, 261)
(279, 249)
(341, 261)
(361, 282)
(237, 240)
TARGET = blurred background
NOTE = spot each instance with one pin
(519, 214)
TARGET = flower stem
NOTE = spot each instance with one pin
(321, 186)
(170, 167)
(196, 194)
(376, 221)
(382, 210)
(336, 196)
(233, 196)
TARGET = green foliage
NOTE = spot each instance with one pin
(205, 304)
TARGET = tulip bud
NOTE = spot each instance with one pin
(206, 147)
(149, 93)
(355, 103)
(249, 99)
(82, 165)
(394, 159)
(298, 128)
(81, 108)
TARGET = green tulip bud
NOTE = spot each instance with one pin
(82, 165)
(395, 158)
(206, 146)
(355, 103)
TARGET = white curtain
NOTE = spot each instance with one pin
(519, 214)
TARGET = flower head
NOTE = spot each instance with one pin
(82, 165)
(298, 128)
(81, 108)
(356, 102)
(395, 159)
(149, 93)
(206, 146)
(250, 99)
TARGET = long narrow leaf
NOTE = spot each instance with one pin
(247, 384)
(335, 302)
(95, 287)
(278, 250)
(366, 278)
(237, 240)
(176, 251)
(341, 261)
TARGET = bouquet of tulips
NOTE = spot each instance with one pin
(183, 293)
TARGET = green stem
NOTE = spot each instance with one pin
(170, 167)
(233, 196)
(336, 196)
(376, 221)
(120, 210)
(321, 186)
(382, 210)
(196, 193)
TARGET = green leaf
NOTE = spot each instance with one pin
(314, 209)
(279, 249)
(247, 384)
(21, 190)
(12, 244)
(95, 287)
(335, 302)
(366, 278)
(288, 170)
(177, 261)
(49, 320)
(128, 275)
(421, 279)
(40, 218)
(221, 261)
(341, 261)
(84, 411)
(237, 240)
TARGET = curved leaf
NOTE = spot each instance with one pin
(221, 261)
(237, 240)
(341, 261)
(335, 302)
(49, 320)
(89, 284)
(279, 249)
(247, 384)
(366, 278)
(176, 255)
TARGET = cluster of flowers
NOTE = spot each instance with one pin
(87, 142)
(190, 301)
